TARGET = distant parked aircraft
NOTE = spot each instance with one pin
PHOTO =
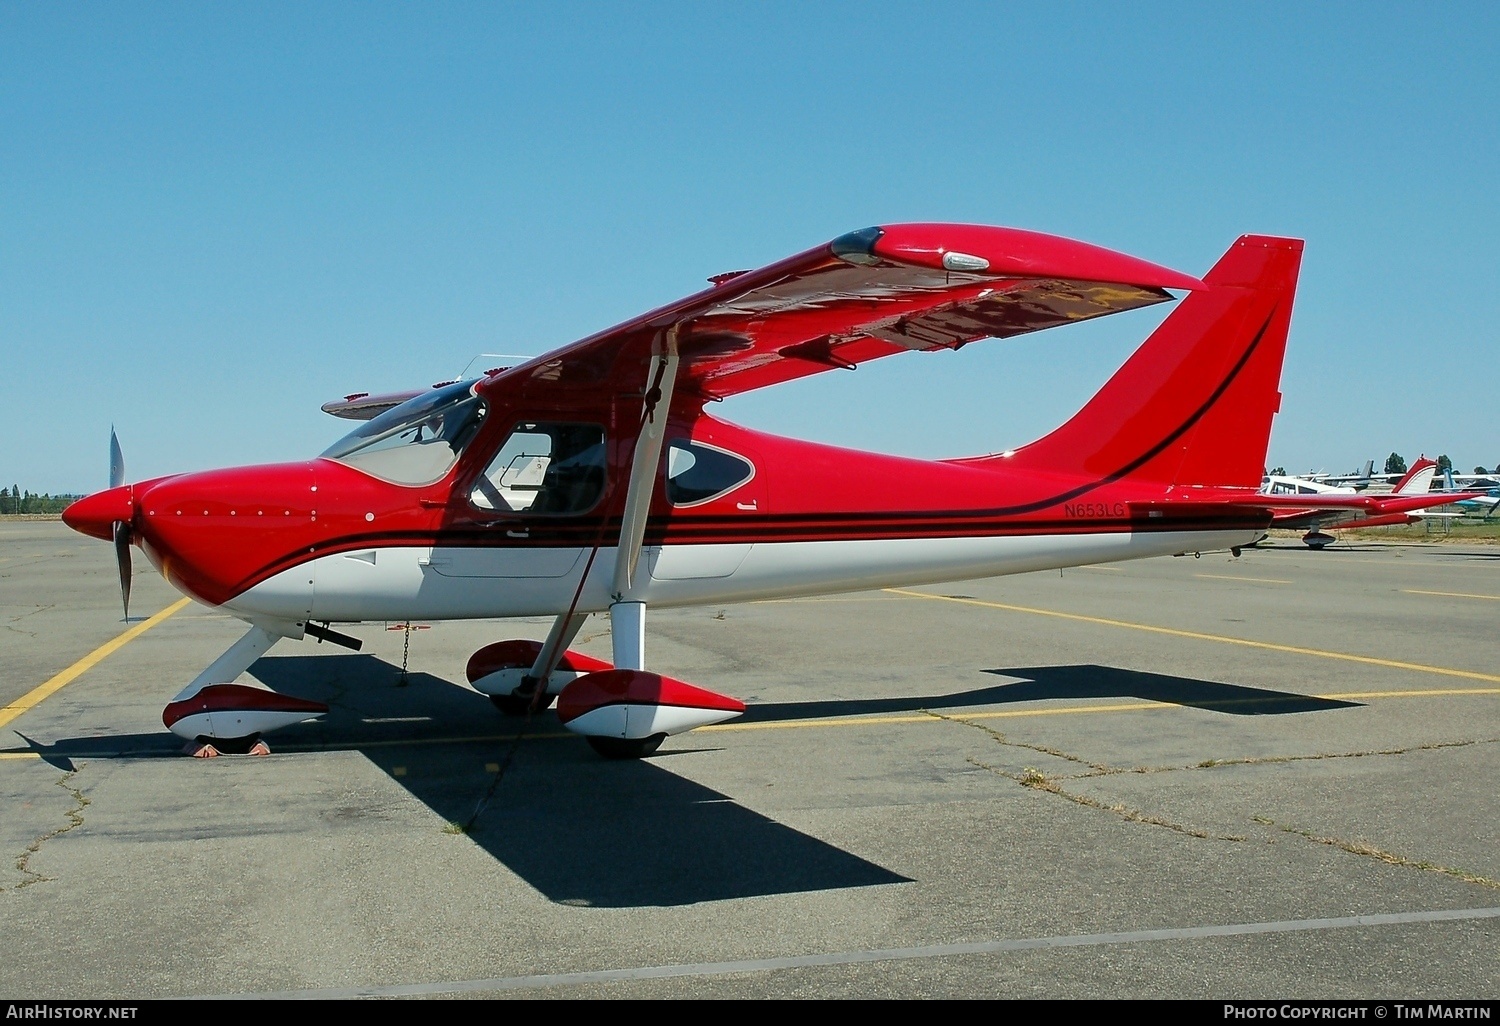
(1340, 507)
(1359, 480)
(1486, 489)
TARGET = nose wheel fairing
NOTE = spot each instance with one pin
(232, 711)
(214, 712)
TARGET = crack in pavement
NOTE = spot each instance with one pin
(1274, 759)
(1038, 781)
(1390, 858)
(1098, 767)
(75, 819)
(38, 609)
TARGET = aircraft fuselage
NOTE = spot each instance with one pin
(328, 539)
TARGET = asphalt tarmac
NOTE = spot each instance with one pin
(1272, 777)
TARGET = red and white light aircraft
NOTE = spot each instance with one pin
(1321, 507)
(594, 480)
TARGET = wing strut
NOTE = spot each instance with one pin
(627, 614)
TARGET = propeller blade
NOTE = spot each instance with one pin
(121, 527)
(122, 557)
(116, 461)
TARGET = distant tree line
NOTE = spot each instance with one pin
(1394, 464)
(13, 500)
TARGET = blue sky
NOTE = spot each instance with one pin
(215, 217)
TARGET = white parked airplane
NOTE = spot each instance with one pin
(1344, 506)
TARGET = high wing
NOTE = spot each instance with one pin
(364, 406)
(863, 296)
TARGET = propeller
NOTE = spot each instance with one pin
(121, 527)
(116, 460)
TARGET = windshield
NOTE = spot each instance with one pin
(417, 442)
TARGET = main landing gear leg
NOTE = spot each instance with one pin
(626, 712)
(627, 635)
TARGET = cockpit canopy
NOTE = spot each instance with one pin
(417, 442)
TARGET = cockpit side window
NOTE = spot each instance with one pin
(417, 442)
(698, 473)
(544, 468)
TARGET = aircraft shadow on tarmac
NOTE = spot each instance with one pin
(579, 829)
(590, 832)
(1039, 683)
(1050, 683)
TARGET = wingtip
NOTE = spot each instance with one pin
(1007, 252)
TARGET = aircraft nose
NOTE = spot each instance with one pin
(97, 514)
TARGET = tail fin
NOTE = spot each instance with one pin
(1418, 480)
(1193, 405)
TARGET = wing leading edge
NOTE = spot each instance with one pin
(864, 296)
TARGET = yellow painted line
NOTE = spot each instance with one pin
(1231, 577)
(815, 598)
(1084, 710)
(859, 721)
(871, 721)
(1451, 594)
(58, 682)
(1409, 694)
(1197, 636)
(1111, 569)
(1414, 565)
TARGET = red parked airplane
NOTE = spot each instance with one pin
(1320, 507)
(593, 479)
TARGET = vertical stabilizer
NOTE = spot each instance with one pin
(1418, 480)
(1193, 405)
